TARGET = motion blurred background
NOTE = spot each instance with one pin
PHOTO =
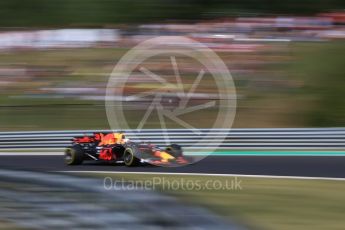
(286, 57)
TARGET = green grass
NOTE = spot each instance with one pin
(287, 204)
(309, 89)
(321, 67)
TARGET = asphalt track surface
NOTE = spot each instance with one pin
(308, 166)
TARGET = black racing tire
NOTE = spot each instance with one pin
(129, 158)
(74, 155)
(175, 150)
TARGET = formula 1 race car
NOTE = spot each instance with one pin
(114, 147)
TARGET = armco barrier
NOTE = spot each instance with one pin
(269, 138)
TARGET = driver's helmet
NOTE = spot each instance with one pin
(120, 138)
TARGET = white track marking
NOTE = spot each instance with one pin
(31, 154)
(210, 174)
(237, 152)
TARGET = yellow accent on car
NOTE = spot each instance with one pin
(166, 156)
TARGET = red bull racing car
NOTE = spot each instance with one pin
(114, 147)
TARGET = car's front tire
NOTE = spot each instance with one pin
(74, 155)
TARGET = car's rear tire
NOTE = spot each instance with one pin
(129, 158)
(175, 150)
(74, 155)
